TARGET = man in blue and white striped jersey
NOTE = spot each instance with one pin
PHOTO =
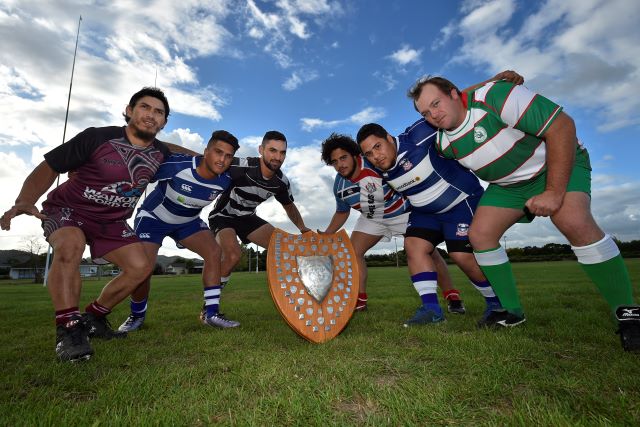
(186, 184)
(443, 197)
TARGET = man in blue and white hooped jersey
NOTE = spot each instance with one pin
(383, 212)
(443, 197)
(186, 185)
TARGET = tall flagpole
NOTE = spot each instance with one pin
(64, 134)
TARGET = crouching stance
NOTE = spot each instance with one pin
(186, 184)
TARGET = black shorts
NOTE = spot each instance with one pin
(243, 225)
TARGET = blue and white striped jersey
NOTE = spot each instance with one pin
(181, 193)
(368, 193)
(432, 184)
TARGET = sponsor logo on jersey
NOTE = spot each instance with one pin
(370, 187)
(372, 207)
(144, 235)
(186, 187)
(123, 188)
(462, 229)
(408, 184)
(406, 164)
(111, 200)
(479, 134)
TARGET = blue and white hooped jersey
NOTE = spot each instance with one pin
(368, 193)
(181, 193)
(431, 183)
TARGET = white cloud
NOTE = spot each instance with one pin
(406, 55)
(184, 138)
(289, 18)
(568, 49)
(369, 114)
(298, 78)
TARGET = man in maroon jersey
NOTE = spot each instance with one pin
(112, 167)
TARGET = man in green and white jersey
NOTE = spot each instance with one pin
(526, 147)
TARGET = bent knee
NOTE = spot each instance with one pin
(137, 268)
(68, 251)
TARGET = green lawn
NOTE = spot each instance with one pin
(565, 366)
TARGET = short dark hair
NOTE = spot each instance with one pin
(440, 82)
(223, 135)
(273, 134)
(336, 141)
(153, 92)
(371, 129)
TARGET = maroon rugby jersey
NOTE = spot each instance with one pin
(110, 174)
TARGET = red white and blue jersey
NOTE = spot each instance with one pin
(181, 193)
(431, 183)
(368, 193)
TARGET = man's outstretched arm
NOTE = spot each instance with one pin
(33, 188)
(294, 215)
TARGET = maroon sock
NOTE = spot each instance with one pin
(452, 295)
(362, 296)
(97, 309)
(63, 316)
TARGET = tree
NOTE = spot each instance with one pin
(35, 246)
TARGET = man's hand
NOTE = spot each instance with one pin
(510, 76)
(546, 203)
(19, 209)
(304, 229)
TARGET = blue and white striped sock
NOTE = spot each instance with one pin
(212, 299)
(487, 292)
(426, 283)
(138, 308)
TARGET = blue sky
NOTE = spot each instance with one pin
(312, 67)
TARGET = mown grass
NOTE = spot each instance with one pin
(564, 367)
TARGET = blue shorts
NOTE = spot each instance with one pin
(151, 229)
(451, 227)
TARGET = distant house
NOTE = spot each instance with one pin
(176, 269)
(25, 273)
(88, 270)
(197, 268)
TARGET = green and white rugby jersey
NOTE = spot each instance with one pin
(500, 138)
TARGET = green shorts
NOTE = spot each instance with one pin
(515, 196)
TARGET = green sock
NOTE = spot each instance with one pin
(495, 265)
(612, 280)
(504, 285)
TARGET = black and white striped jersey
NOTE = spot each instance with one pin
(249, 188)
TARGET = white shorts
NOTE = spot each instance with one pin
(386, 228)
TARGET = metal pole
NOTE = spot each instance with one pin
(395, 239)
(505, 241)
(64, 135)
(257, 259)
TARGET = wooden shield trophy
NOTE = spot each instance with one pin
(313, 279)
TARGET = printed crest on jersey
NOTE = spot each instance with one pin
(479, 134)
(462, 229)
(128, 233)
(371, 187)
(406, 164)
(186, 187)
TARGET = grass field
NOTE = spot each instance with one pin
(565, 366)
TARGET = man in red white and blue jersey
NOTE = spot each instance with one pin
(383, 212)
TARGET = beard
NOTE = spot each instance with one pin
(144, 134)
(271, 167)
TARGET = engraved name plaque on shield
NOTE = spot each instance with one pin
(313, 279)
